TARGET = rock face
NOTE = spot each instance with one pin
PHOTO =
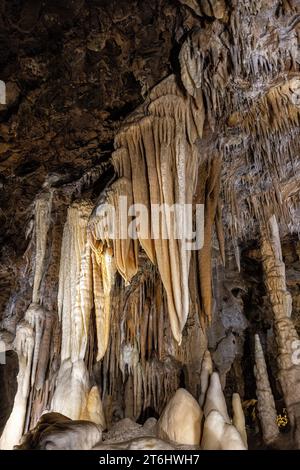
(181, 419)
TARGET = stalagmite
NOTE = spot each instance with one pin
(285, 332)
(215, 399)
(181, 419)
(94, 410)
(266, 403)
(238, 419)
(220, 435)
(57, 432)
(72, 381)
(24, 345)
(206, 371)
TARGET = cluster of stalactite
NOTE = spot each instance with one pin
(248, 75)
(158, 162)
(142, 357)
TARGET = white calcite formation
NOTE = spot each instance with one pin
(215, 399)
(181, 419)
(24, 345)
(220, 435)
(57, 432)
(238, 419)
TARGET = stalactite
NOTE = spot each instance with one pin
(75, 302)
(285, 332)
(75, 282)
(156, 149)
(42, 221)
(104, 271)
(266, 403)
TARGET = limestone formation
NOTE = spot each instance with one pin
(24, 345)
(149, 224)
(215, 399)
(266, 404)
(238, 419)
(57, 432)
(220, 435)
(181, 419)
(285, 332)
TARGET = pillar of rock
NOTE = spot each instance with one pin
(285, 332)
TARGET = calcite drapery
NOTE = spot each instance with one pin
(75, 294)
(75, 302)
(157, 161)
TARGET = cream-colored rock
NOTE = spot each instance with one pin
(215, 399)
(75, 291)
(181, 419)
(94, 410)
(238, 419)
(219, 435)
(72, 389)
(57, 432)
(24, 345)
(140, 443)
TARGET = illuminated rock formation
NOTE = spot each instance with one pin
(220, 435)
(130, 116)
(238, 419)
(24, 345)
(57, 432)
(285, 332)
(181, 419)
